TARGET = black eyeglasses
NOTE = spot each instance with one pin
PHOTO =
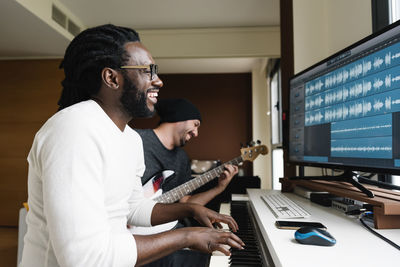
(152, 67)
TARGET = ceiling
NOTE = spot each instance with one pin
(25, 36)
(167, 14)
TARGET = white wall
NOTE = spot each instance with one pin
(261, 122)
(323, 27)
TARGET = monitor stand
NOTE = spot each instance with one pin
(347, 176)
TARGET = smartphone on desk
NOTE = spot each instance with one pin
(294, 225)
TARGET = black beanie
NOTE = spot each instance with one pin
(176, 109)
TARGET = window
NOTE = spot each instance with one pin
(274, 73)
(394, 10)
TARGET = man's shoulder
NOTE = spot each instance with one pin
(151, 143)
(146, 134)
(70, 116)
(82, 111)
(143, 131)
(76, 121)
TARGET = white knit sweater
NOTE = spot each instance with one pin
(83, 188)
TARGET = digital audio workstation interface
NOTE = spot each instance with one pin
(346, 110)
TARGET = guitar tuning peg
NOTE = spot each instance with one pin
(258, 142)
(252, 143)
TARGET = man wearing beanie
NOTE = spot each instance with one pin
(179, 122)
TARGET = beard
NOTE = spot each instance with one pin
(183, 139)
(183, 142)
(134, 101)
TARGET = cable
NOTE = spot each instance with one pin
(376, 233)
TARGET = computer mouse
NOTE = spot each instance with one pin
(314, 236)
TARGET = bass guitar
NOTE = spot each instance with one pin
(152, 189)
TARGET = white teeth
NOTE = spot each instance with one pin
(153, 94)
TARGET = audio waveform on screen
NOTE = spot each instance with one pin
(374, 147)
(352, 101)
(374, 63)
(361, 148)
(375, 84)
(367, 106)
(365, 127)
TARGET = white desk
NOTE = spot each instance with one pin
(355, 246)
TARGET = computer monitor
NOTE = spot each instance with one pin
(345, 110)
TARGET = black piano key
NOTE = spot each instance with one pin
(246, 262)
(244, 258)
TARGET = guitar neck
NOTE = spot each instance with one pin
(188, 187)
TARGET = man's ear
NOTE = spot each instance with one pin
(111, 78)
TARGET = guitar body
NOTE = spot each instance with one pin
(152, 189)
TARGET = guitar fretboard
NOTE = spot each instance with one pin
(188, 187)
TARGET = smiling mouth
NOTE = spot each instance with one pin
(152, 95)
(190, 135)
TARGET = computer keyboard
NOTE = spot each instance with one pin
(283, 207)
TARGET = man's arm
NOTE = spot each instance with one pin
(163, 213)
(205, 197)
(153, 247)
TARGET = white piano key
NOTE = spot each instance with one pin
(219, 261)
(225, 209)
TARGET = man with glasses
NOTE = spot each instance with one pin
(83, 187)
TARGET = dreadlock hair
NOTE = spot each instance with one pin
(87, 55)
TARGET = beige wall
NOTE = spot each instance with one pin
(323, 27)
(213, 42)
(309, 32)
(348, 22)
(261, 122)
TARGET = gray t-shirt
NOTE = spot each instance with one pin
(158, 158)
